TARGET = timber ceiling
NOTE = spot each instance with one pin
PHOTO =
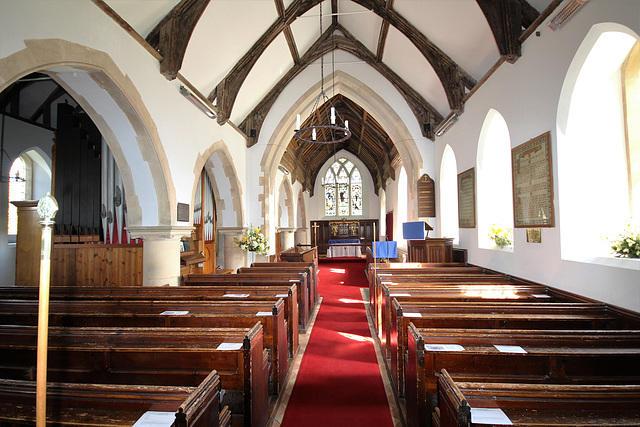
(242, 55)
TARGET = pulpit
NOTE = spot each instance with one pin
(430, 250)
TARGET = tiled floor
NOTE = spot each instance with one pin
(280, 405)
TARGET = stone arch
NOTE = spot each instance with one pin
(287, 191)
(226, 186)
(114, 104)
(301, 211)
(368, 99)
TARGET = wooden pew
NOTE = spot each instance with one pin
(535, 404)
(510, 316)
(114, 404)
(421, 377)
(197, 314)
(456, 293)
(247, 279)
(222, 292)
(387, 269)
(148, 356)
(310, 267)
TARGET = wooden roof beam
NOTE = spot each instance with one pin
(171, 36)
(507, 18)
(454, 79)
(227, 90)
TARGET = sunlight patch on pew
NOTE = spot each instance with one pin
(351, 301)
(356, 337)
(492, 292)
(338, 270)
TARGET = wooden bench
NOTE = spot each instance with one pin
(307, 267)
(246, 279)
(223, 292)
(148, 356)
(312, 265)
(421, 376)
(197, 314)
(511, 316)
(114, 404)
(535, 404)
(412, 293)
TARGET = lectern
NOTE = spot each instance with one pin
(424, 249)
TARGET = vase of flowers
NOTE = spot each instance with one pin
(627, 244)
(501, 236)
(253, 240)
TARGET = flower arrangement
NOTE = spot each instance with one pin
(627, 244)
(501, 237)
(253, 240)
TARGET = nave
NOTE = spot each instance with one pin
(336, 379)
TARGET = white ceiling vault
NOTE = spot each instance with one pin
(241, 54)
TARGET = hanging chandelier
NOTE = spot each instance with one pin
(325, 125)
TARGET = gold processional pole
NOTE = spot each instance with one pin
(47, 208)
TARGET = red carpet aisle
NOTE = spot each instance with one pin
(339, 381)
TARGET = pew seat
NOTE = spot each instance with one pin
(114, 404)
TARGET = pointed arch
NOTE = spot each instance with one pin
(227, 189)
(114, 104)
(449, 195)
(285, 201)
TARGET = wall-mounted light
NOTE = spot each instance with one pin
(446, 124)
(197, 102)
(283, 169)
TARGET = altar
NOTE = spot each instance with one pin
(343, 248)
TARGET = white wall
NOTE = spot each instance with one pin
(527, 95)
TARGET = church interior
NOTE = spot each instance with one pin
(407, 166)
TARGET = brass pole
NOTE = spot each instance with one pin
(47, 208)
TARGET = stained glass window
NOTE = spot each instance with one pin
(343, 189)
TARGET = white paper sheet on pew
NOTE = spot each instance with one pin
(412, 314)
(489, 416)
(236, 295)
(230, 346)
(282, 295)
(540, 296)
(399, 295)
(294, 280)
(510, 349)
(156, 419)
(443, 347)
(264, 313)
(174, 313)
(384, 274)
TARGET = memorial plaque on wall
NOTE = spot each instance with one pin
(467, 199)
(426, 197)
(533, 183)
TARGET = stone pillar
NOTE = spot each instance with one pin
(161, 253)
(287, 240)
(234, 257)
(301, 236)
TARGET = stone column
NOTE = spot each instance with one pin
(287, 240)
(161, 253)
(301, 236)
(234, 257)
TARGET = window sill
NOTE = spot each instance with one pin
(609, 261)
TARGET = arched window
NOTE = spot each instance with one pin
(495, 195)
(449, 195)
(598, 171)
(19, 189)
(343, 189)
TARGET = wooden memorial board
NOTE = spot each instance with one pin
(467, 199)
(533, 183)
(426, 197)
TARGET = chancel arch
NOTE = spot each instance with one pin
(368, 99)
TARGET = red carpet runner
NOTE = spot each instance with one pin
(339, 380)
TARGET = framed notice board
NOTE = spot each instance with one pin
(533, 183)
(426, 197)
(467, 199)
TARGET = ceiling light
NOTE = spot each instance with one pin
(565, 13)
(326, 127)
(446, 124)
(198, 102)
